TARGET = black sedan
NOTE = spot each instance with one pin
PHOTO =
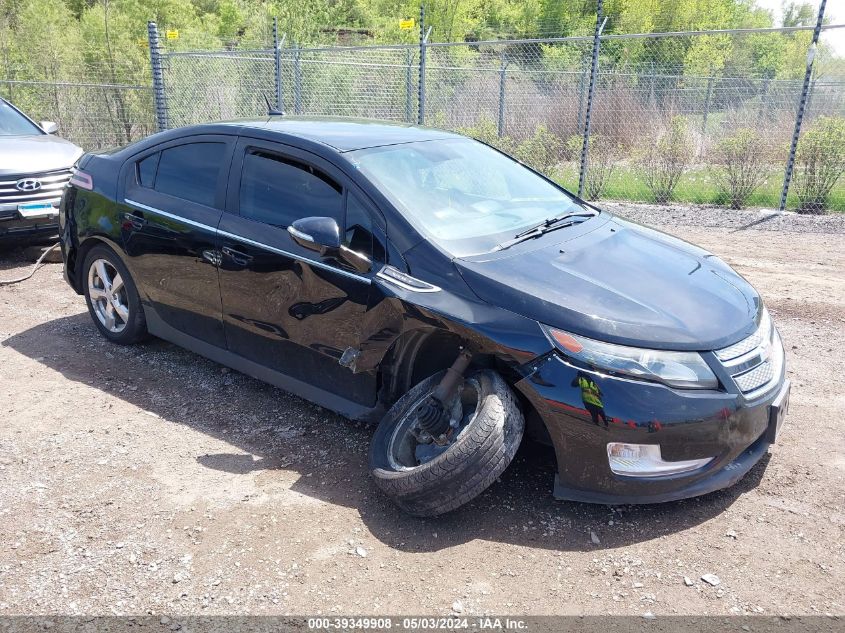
(428, 282)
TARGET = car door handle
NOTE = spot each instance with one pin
(136, 221)
(212, 257)
(242, 259)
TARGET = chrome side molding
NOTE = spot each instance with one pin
(396, 277)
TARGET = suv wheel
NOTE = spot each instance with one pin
(425, 479)
(112, 298)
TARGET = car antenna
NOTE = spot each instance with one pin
(271, 111)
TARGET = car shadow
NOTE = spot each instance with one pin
(272, 431)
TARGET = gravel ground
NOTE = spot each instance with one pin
(678, 215)
(147, 480)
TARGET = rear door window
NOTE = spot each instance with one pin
(278, 190)
(190, 171)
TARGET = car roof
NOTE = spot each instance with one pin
(341, 133)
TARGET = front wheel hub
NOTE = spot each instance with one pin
(411, 445)
(432, 418)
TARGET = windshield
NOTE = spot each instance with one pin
(13, 123)
(462, 194)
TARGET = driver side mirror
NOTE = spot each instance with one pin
(316, 234)
(51, 127)
(322, 235)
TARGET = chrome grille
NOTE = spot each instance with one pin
(52, 185)
(743, 347)
(756, 361)
(755, 378)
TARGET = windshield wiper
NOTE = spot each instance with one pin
(549, 224)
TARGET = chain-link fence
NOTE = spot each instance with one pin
(699, 117)
(703, 117)
(92, 115)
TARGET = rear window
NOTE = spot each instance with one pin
(190, 172)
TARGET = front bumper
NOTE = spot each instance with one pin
(18, 226)
(687, 424)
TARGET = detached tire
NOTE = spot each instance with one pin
(481, 451)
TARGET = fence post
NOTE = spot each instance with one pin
(799, 117)
(297, 82)
(159, 97)
(277, 63)
(421, 86)
(810, 92)
(585, 148)
(409, 86)
(502, 70)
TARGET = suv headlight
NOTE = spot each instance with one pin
(686, 370)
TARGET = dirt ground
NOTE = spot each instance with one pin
(147, 480)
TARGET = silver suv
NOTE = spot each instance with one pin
(35, 166)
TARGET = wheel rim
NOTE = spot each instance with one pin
(108, 296)
(406, 452)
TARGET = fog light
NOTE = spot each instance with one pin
(644, 460)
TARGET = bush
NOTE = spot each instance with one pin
(664, 162)
(819, 162)
(542, 151)
(604, 152)
(742, 172)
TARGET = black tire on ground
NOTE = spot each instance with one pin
(469, 466)
(135, 328)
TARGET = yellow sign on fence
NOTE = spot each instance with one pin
(407, 25)
(172, 34)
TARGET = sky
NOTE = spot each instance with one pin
(834, 14)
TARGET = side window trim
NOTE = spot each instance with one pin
(280, 251)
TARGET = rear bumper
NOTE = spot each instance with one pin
(686, 424)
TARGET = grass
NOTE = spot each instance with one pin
(697, 186)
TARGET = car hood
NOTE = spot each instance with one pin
(620, 282)
(21, 155)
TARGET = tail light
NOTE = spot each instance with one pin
(82, 180)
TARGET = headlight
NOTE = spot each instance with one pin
(676, 369)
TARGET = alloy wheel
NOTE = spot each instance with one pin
(108, 295)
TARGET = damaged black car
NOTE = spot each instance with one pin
(432, 284)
